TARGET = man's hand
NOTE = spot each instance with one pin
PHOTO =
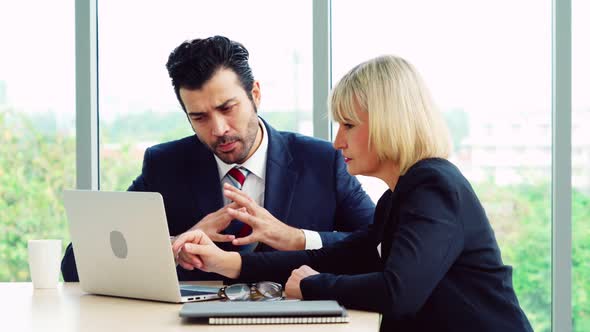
(214, 223)
(265, 227)
(196, 250)
(293, 285)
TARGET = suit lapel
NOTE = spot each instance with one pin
(281, 177)
(205, 182)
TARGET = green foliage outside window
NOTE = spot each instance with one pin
(36, 167)
(34, 170)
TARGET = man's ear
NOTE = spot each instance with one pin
(256, 93)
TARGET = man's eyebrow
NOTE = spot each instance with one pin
(219, 107)
(224, 104)
(196, 113)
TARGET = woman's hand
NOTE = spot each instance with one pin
(196, 250)
(293, 285)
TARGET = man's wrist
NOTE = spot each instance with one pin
(196, 226)
(298, 239)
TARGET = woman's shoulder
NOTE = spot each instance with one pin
(432, 172)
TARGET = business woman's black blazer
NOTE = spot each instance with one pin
(440, 268)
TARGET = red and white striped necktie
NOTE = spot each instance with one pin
(237, 176)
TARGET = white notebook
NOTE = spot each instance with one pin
(277, 320)
(270, 312)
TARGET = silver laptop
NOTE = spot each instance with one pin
(122, 247)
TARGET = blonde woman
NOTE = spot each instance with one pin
(430, 261)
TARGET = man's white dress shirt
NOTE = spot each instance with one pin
(254, 184)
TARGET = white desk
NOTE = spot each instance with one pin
(67, 308)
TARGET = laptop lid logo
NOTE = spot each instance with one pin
(118, 244)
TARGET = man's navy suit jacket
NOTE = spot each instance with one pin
(306, 186)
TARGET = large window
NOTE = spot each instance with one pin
(580, 165)
(138, 107)
(37, 134)
(490, 75)
(488, 65)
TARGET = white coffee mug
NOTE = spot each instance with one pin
(44, 261)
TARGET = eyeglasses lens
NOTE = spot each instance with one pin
(270, 289)
(238, 292)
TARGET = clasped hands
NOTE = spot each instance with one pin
(265, 227)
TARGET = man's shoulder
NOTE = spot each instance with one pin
(305, 151)
(184, 149)
(299, 142)
(179, 145)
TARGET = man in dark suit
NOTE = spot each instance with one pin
(297, 186)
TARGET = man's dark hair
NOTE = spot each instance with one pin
(194, 62)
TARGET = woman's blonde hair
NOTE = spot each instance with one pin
(404, 124)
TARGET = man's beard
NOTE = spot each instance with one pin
(246, 142)
(228, 159)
